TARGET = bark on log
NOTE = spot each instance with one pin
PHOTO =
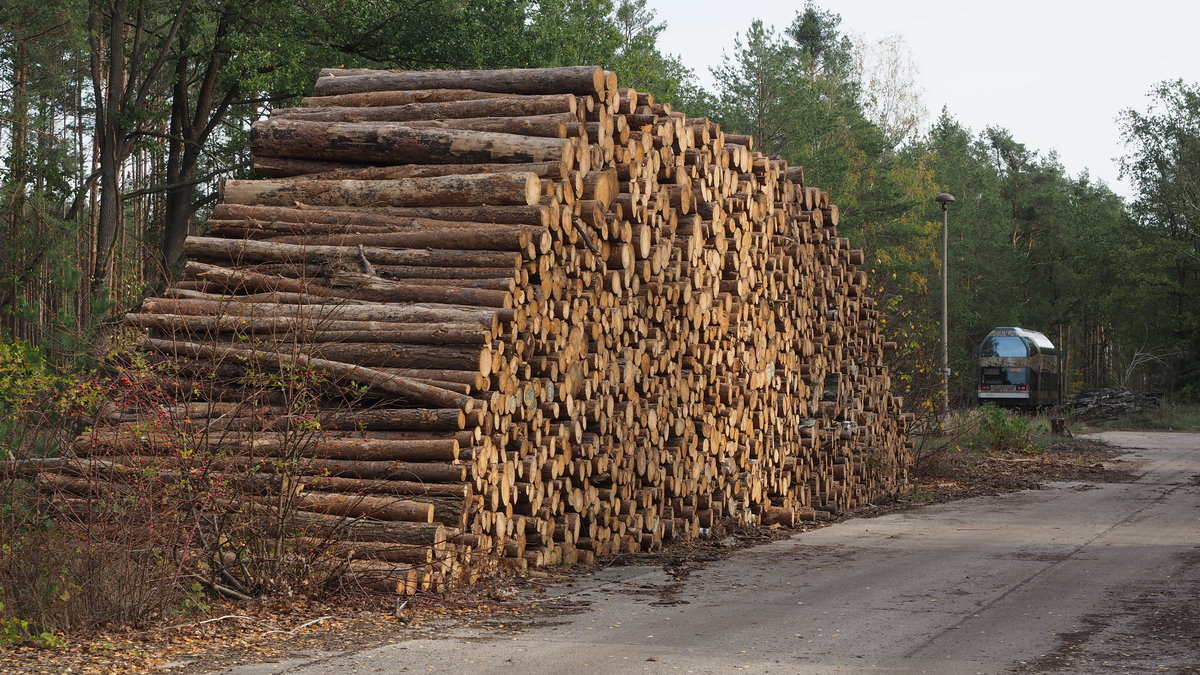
(427, 472)
(545, 126)
(363, 506)
(506, 106)
(306, 330)
(399, 386)
(496, 189)
(348, 285)
(378, 98)
(314, 169)
(394, 487)
(489, 319)
(460, 236)
(307, 444)
(543, 215)
(580, 80)
(252, 250)
(396, 355)
(364, 550)
(379, 220)
(395, 532)
(399, 143)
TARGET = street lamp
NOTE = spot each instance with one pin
(945, 199)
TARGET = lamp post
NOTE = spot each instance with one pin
(945, 199)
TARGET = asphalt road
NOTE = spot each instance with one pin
(1075, 578)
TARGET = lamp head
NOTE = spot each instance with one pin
(945, 199)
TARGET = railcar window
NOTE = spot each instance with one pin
(1016, 375)
(1003, 347)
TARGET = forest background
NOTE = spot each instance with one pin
(119, 119)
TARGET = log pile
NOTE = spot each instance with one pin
(551, 318)
(1108, 404)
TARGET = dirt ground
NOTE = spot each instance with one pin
(228, 634)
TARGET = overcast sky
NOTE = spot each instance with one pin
(1055, 73)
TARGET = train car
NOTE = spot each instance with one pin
(1018, 367)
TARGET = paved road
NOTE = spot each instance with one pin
(1074, 578)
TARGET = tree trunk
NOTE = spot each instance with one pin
(108, 90)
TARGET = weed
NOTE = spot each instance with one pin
(1165, 417)
(1000, 430)
(17, 632)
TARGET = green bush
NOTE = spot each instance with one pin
(25, 378)
(16, 632)
(1001, 430)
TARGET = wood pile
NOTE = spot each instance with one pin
(577, 323)
(1108, 404)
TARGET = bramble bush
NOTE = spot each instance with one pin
(147, 528)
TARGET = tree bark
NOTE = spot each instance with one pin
(553, 125)
(397, 143)
(314, 169)
(461, 236)
(312, 445)
(400, 386)
(497, 189)
(305, 330)
(580, 80)
(388, 218)
(382, 98)
(489, 319)
(362, 506)
(349, 285)
(397, 487)
(245, 250)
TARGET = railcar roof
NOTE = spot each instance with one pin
(1038, 339)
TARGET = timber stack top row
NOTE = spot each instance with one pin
(553, 319)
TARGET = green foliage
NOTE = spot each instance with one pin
(1018, 231)
(1166, 417)
(1003, 430)
(25, 377)
(1030, 245)
(17, 632)
(1164, 165)
(642, 66)
(193, 602)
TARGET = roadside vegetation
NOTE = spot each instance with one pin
(1169, 416)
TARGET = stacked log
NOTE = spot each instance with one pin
(548, 317)
(1109, 404)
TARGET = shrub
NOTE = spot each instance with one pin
(145, 529)
(1001, 430)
